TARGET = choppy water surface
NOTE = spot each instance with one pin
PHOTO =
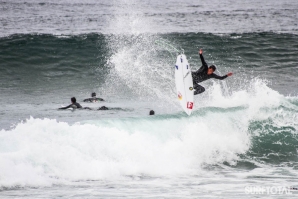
(241, 137)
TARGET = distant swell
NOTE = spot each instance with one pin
(31, 59)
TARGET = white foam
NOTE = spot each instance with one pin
(40, 152)
(43, 151)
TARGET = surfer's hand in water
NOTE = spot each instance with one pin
(201, 51)
(229, 74)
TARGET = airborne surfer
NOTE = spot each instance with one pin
(203, 74)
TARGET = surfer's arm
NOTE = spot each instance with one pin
(219, 77)
(66, 107)
(204, 64)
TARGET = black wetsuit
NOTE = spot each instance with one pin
(201, 75)
(93, 99)
(74, 105)
(103, 108)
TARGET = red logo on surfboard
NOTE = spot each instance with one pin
(189, 105)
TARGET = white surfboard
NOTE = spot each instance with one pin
(184, 85)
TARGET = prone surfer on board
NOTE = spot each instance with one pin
(203, 74)
(76, 105)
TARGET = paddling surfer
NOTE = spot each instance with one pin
(93, 98)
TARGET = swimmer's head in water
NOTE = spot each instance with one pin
(93, 94)
(151, 112)
(73, 100)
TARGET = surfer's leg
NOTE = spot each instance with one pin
(198, 89)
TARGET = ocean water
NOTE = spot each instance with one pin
(241, 140)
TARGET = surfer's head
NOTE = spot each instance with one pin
(211, 69)
(151, 112)
(73, 100)
(93, 94)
